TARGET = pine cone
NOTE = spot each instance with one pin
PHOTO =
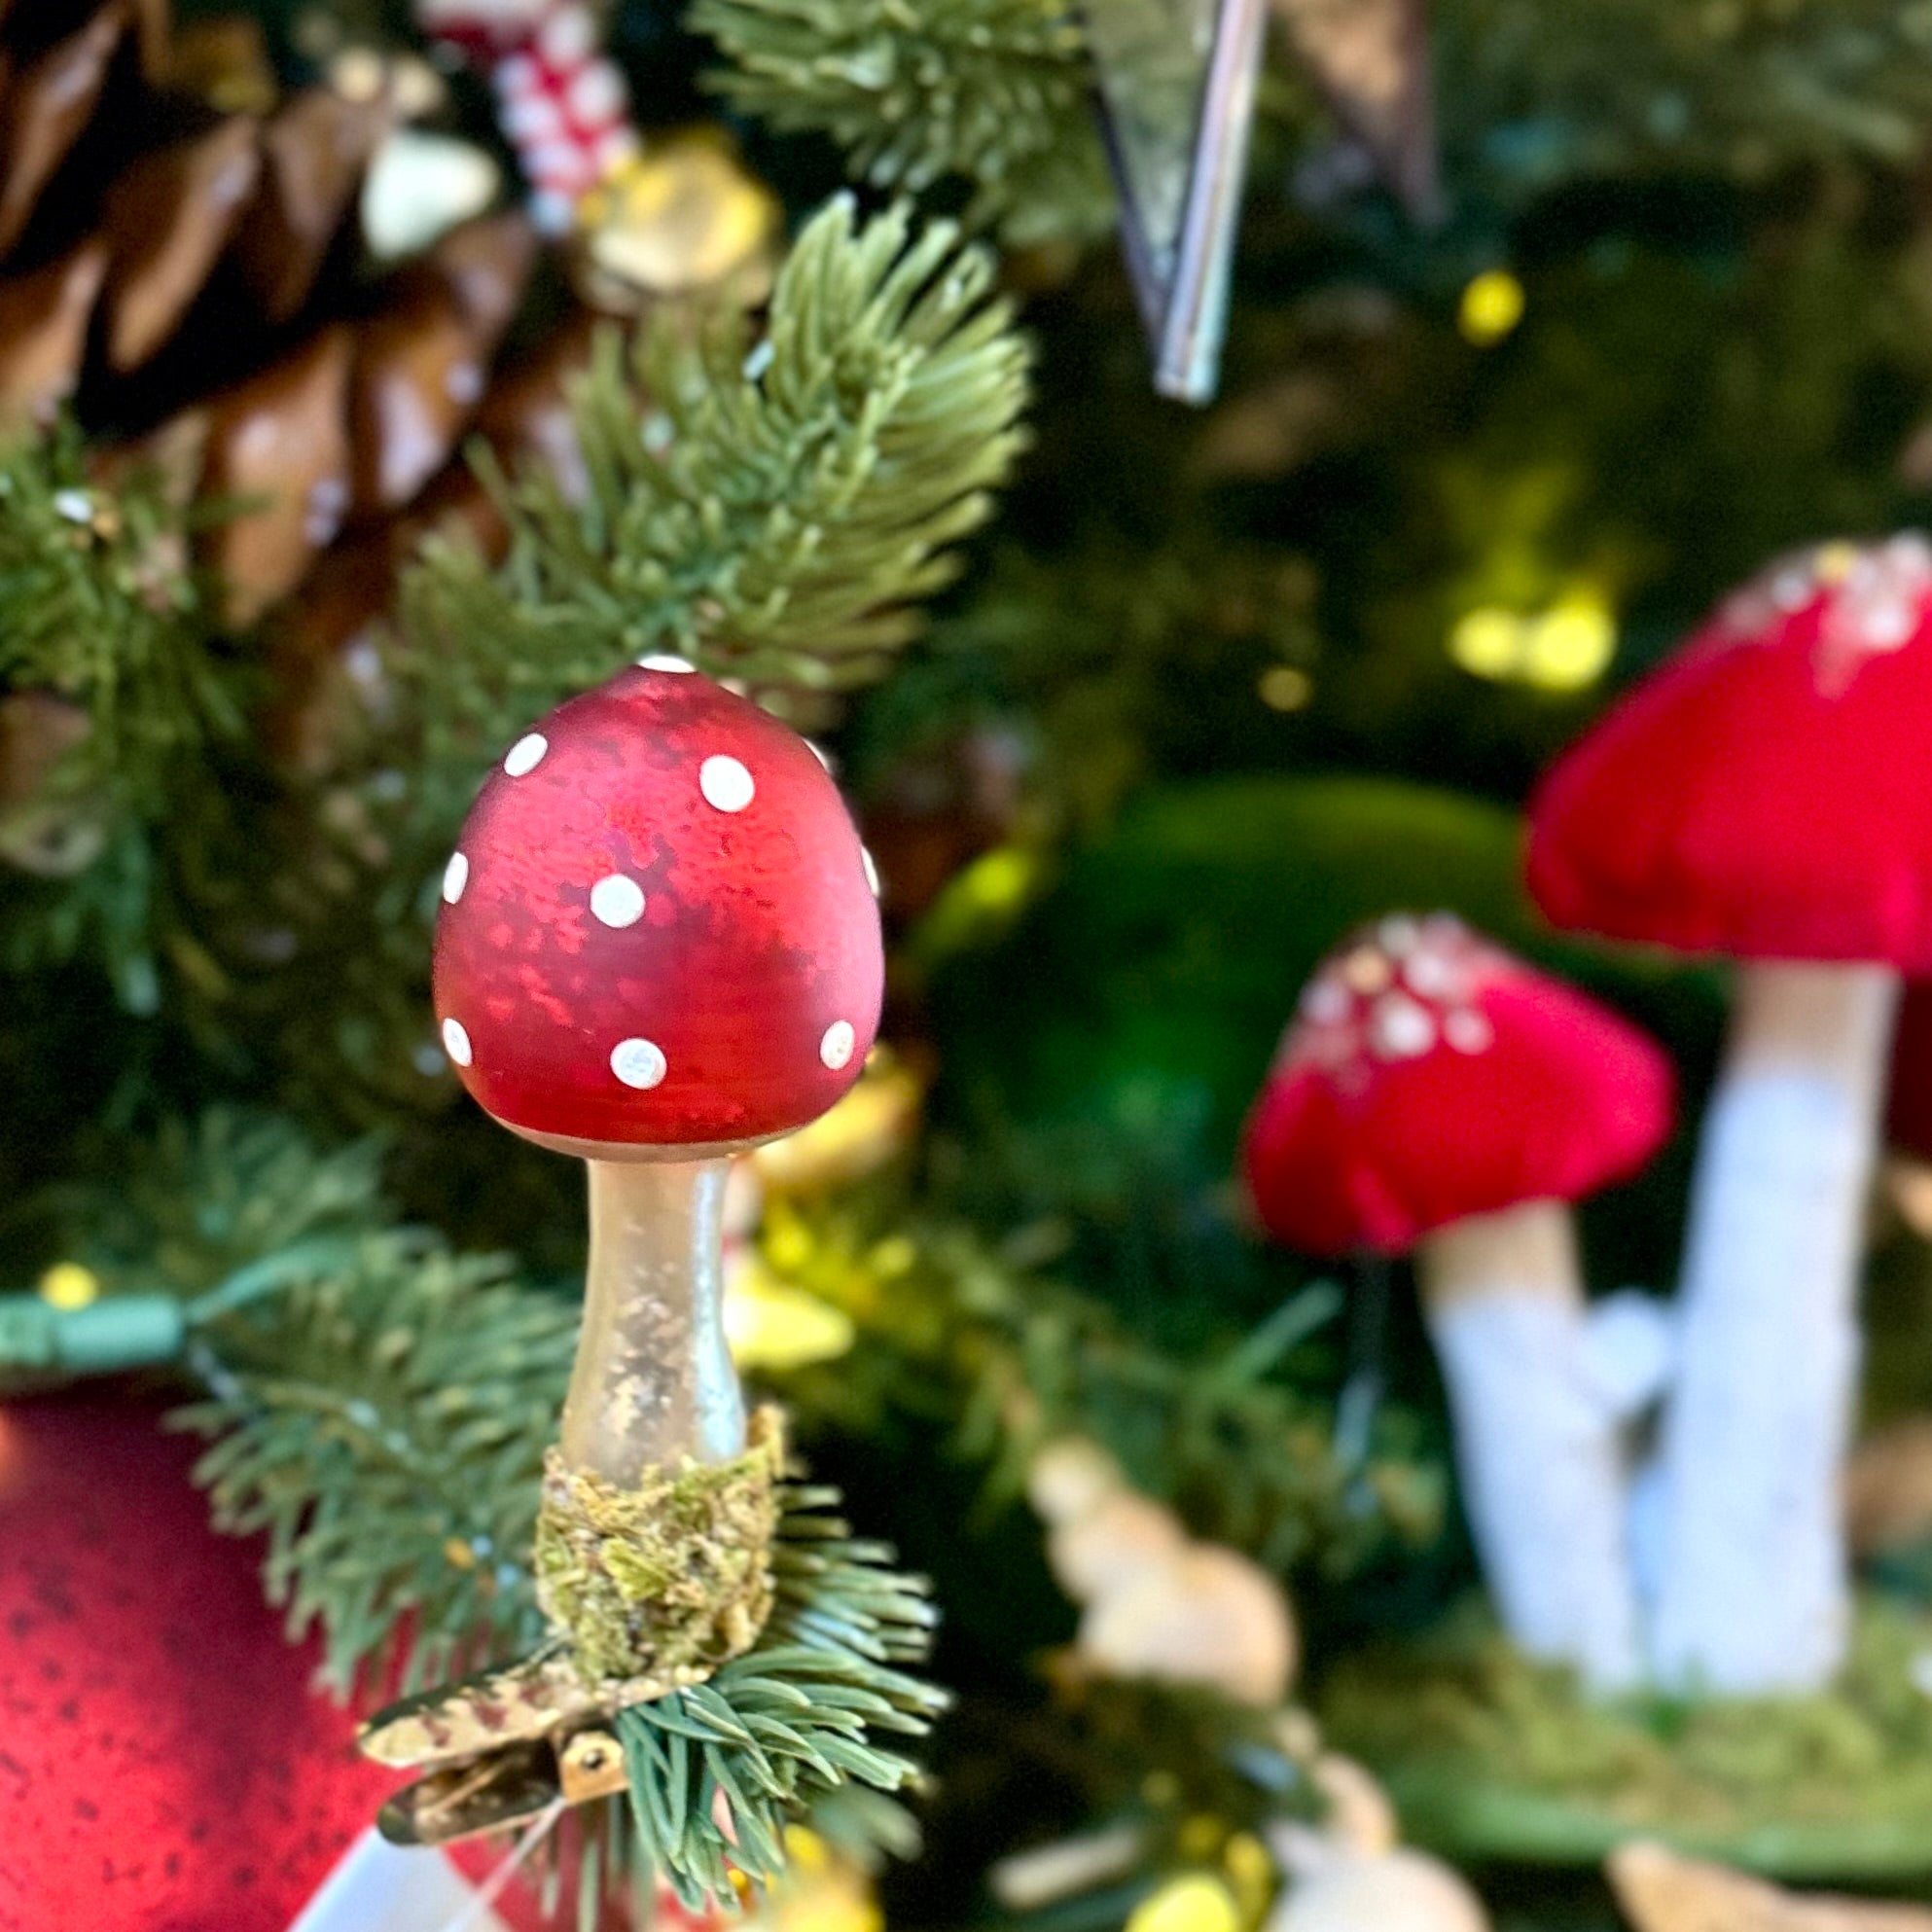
(150, 242)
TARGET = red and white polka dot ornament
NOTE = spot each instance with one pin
(657, 932)
(562, 104)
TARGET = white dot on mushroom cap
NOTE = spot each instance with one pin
(456, 1042)
(819, 752)
(1468, 1032)
(527, 754)
(871, 871)
(1400, 1030)
(725, 783)
(662, 660)
(835, 1049)
(617, 901)
(455, 876)
(1326, 1002)
(1888, 625)
(1430, 974)
(638, 1063)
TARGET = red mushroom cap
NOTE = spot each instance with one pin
(1430, 1076)
(1767, 793)
(658, 929)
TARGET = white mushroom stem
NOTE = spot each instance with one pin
(654, 1381)
(1752, 1586)
(1536, 1445)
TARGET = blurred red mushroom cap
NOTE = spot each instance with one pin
(657, 928)
(1766, 793)
(1429, 1076)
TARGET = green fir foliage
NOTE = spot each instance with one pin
(788, 1724)
(771, 508)
(102, 617)
(992, 92)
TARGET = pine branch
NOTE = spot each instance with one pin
(105, 621)
(789, 1723)
(996, 93)
(772, 512)
(993, 92)
(385, 1427)
(953, 1330)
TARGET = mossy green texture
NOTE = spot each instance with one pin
(1492, 1755)
(673, 1576)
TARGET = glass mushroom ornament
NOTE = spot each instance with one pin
(1764, 796)
(1435, 1095)
(657, 947)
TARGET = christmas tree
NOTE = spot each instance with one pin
(1259, 1251)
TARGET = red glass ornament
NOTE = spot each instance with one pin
(166, 1761)
(658, 929)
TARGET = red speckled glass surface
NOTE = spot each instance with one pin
(748, 984)
(166, 1763)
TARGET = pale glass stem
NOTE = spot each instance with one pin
(654, 1381)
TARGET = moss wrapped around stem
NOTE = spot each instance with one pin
(673, 1575)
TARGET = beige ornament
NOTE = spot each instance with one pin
(1071, 1477)
(1659, 1891)
(1208, 1616)
(1360, 1817)
(1402, 1891)
(1102, 1552)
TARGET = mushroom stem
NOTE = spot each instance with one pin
(1536, 1444)
(653, 1382)
(1752, 1578)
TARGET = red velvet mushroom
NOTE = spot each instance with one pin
(1436, 1095)
(657, 946)
(1767, 796)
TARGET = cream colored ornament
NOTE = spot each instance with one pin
(1360, 1817)
(418, 186)
(1659, 1891)
(1401, 1891)
(1070, 1476)
(1102, 1552)
(1205, 1616)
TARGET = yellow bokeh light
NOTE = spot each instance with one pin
(1491, 306)
(1283, 688)
(1569, 646)
(67, 1286)
(1564, 647)
(861, 1131)
(1488, 642)
(773, 1325)
(1194, 1902)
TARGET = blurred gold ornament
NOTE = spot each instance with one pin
(873, 1121)
(1193, 1901)
(773, 1325)
(683, 217)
